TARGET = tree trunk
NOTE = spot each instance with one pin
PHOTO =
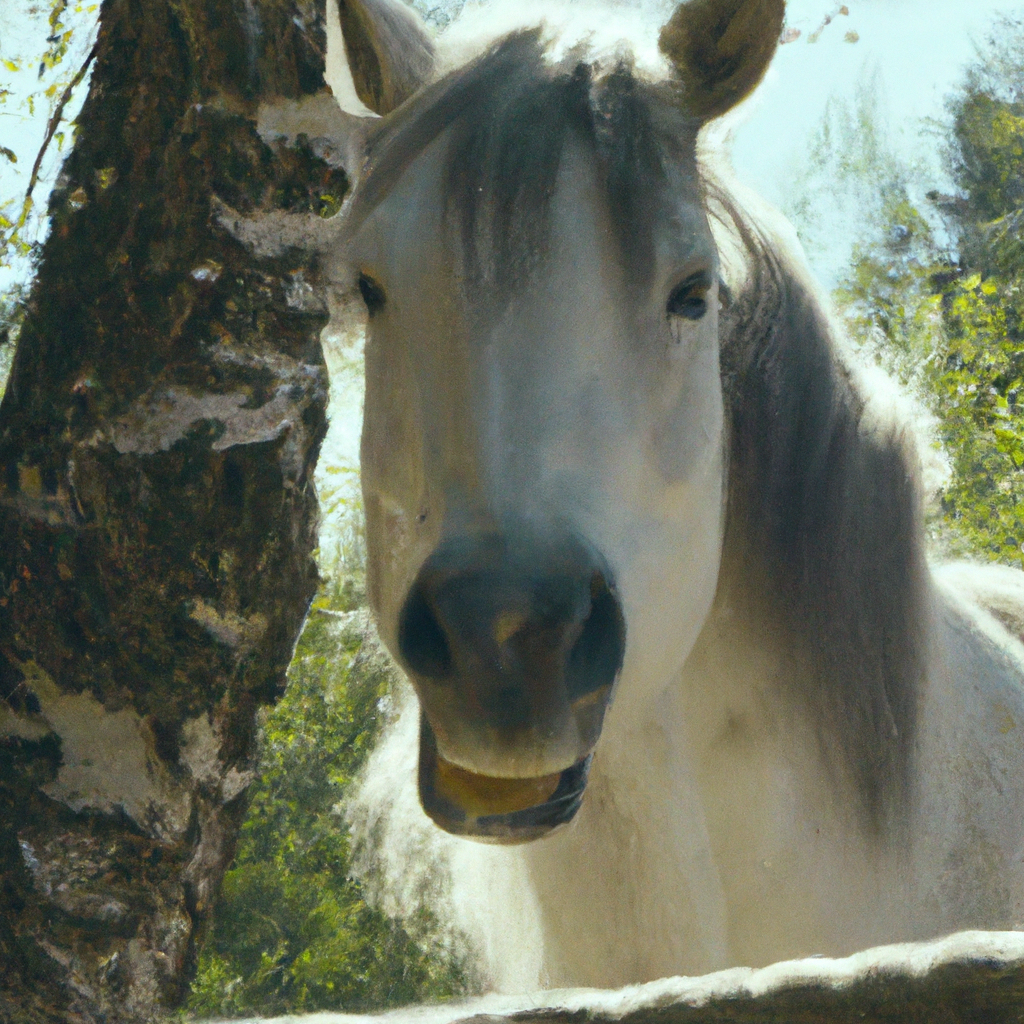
(157, 509)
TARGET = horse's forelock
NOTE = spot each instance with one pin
(504, 163)
(509, 116)
(403, 136)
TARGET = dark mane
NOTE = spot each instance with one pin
(510, 114)
(824, 526)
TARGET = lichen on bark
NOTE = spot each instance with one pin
(157, 510)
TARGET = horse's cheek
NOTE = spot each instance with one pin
(665, 543)
(687, 437)
(400, 532)
(668, 588)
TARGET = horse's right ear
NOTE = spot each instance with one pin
(389, 52)
(721, 50)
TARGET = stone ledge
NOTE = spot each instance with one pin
(971, 977)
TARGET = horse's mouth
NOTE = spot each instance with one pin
(496, 810)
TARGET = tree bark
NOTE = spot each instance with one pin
(157, 509)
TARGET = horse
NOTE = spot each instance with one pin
(643, 536)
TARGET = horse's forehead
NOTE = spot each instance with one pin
(416, 226)
(411, 230)
(676, 222)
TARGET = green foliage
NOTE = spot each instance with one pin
(985, 147)
(343, 541)
(947, 318)
(292, 931)
(887, 295)
(989, 154)
(976, 382)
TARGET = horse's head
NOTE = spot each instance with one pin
(543, 453)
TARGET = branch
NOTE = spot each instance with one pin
(55, 119)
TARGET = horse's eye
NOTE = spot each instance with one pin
(689, 299)
(372, 293)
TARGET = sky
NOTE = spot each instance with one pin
(910, 53)
(917, 48)
(25, 109)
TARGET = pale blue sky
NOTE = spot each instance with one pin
(23, 32)
(916, 50)
(919, 48)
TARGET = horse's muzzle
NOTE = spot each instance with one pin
(513, 642)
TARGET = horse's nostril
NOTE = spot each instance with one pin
(421, 640)
(596, 657)
(513, 642)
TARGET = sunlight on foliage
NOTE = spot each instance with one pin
(946, 316)
(849, 176)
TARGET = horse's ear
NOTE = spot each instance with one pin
(721, 49)
(389, 52)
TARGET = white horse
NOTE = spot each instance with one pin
(649, 552)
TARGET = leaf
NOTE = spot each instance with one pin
(9, 154)
(1009, 443)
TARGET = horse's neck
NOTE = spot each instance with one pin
(784, 826)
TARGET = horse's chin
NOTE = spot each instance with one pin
(496, 810)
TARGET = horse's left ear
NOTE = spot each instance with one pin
(721, 50)
(388, 49)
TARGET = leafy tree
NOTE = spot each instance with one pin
(851, 176)
(985, 148)
(944, 309)
(166, 578)
(292, 931)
